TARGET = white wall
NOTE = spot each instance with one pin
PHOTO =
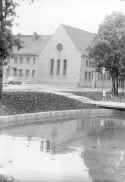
(69, 52)
(23, 66)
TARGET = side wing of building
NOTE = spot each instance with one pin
(24, 62)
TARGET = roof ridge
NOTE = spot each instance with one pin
(76, 28)
(24, 35)
(81, 38)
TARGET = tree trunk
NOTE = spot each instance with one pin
(115, 84)
(1, 80)
(1, 60)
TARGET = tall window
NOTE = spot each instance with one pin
(87, 62)
(51, 66)
(20, 72)
(58, 67)
(28, 59)
(15, 59)
(21, 59)
(14, 72)
(64, 66)
(8, 60)
(86, 75)
(34, 60)
(8, 72)
(89, 78)
(33, 73)
(27, 73)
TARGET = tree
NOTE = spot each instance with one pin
(7, 40)
(108, 49)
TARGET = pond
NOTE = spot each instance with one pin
(79, 150)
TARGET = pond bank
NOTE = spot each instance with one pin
(52, 116)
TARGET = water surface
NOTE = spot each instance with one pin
(86, 149)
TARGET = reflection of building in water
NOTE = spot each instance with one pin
(106, 162)
(47, 146)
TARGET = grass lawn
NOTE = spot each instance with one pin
(28, 102)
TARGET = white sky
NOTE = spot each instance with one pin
(44, 16)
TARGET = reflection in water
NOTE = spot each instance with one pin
(47, 146)
(90, 149)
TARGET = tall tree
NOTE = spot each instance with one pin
(108, 49)
(7, 40)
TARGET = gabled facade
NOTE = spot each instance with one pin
(61, 58)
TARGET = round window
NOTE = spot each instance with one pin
(59, 47)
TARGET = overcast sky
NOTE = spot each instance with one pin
(44, 16)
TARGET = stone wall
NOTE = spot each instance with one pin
(41, 117)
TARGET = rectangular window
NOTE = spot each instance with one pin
(8, 60)
(86, 75)
(90, 63)
(64, 66)
(21, 60)
(20, 73)
(51, 66)
(108, 76)
(92, 75)
(58, 67)
(87, 62)
(14, 72)
(34, 60)
(33, 73)
(28, 59)
(15, 59)
(8, 72)
(89, 76)
(27, 73)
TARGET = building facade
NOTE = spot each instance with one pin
(24, 62)
(61, 58)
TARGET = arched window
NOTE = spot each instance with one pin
(64, 66)
(58, 67)
(51, 66)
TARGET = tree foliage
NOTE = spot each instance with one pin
(108, 49)
(7, 40)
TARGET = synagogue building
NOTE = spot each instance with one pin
(61, 58)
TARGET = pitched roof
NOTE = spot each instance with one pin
(81, 38)
(31, 44)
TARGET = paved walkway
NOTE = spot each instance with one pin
(52, 89)
(47, 88)
(65, 91)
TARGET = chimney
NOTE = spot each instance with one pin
(19, 35)
(35, 36)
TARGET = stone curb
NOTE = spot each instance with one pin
(41, 117)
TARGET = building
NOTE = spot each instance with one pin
(23, 63)
(61, 58)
